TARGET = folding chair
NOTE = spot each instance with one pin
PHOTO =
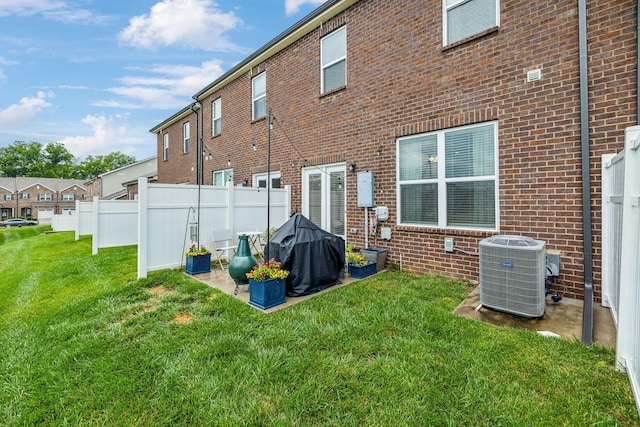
(222, 244)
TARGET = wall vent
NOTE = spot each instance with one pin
(512, 275)
(534, 75)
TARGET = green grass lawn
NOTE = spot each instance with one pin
(82, 342)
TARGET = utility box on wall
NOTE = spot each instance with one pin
(365, 189)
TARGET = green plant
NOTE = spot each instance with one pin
(271, 269)
(354, 257)
(194, 251)
(268, 233)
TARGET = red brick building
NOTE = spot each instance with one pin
(39, 198)
(468, 113)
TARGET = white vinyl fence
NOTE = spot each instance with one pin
(165, 211)
(621, 252)
(64, 222)
(84, 218)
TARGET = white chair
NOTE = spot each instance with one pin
(223, 244)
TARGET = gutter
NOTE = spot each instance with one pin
(587, 309)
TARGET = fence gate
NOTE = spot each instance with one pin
(628, 300)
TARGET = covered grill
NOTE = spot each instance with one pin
(314, 257)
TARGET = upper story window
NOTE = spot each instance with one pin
(45, 196)
(165, 150)
(25, 195)
(186, 134)
(465, 18)
(67, 197)
(333, 60)
(221, 177)
(8, 196)
(216, 117)
(259, 96)
(449, 178)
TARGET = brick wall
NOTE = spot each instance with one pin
(401, 81)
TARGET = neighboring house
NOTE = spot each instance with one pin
(39, 198)
(111, 185)
(468, 113)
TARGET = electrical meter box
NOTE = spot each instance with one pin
(365, 189)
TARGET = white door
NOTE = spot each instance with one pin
(323, 197)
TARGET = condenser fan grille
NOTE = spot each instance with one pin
(512, 273)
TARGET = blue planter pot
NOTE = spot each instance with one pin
(267, 294)
(362, 271)
(198, 264)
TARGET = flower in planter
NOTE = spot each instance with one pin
(194, 251)
(268, 270)
(354, 257)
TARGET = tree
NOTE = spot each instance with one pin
(53, 160)
(21, 159)
(93, 166)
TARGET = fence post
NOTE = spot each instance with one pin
(95, 230)
(607, 233)
(77, 220)
(231, 208)
(143, 237)
(287, 209)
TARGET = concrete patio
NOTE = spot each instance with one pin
(563, 318)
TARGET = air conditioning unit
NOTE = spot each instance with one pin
(512, 275)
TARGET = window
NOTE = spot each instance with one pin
(216, 117)
(260, 180)
(333, 59)
(220, 178)
(448, 179)
(25, 195)
(8, 196)
(464, 18)
(68, 197)
(45, 196)
(166, 147)
(186, 133)
(259, 96)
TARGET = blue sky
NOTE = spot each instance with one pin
(96, 75)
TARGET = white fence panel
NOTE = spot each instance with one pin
(64, 222)
(628, 331)
(166, 210)
(115, 223)
(84, 219)
(612, 191)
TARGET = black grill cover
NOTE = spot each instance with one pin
(314, 257)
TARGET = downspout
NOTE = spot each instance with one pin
(587, 309)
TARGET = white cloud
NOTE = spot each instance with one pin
(21, 113)
(169, 86)
(108, 134)
(51, 9)
(293, 6)
(198, 24)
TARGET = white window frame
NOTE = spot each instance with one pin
(45, 197)
(25, 196)
(452, 5)
(186, 135)
(255, 179)
(257, 97)
(323, 65)
(325, 172)
(68, 197)
(165, 149)
(216, 117)
(442, 180)
(8, 197)
(226, 175)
